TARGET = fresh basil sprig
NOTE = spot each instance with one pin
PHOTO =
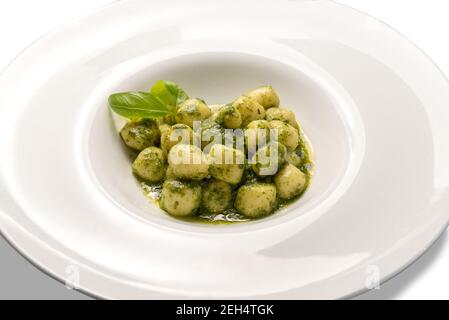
(164, 99)
(169, 93)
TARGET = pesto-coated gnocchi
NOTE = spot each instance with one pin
(257, 134)
(163, 127)
(226, 164)
(287, 135)
(168, 119)
(180, 198)
(188, 162)
(214, 108)
(150, 164)
(139, 135)
(265, 96)
(246, 159)
(192, 110)
(295, 157)
(290, 182)
(211, 133)
(284, 115)
(249, 109)
(217, 196)
(256, 200)
(178, 133)
(229, 117)
(169, 175)
(268, 159)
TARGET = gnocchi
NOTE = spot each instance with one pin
(284, 115)
(269, 159)
(150, 164)
(290, 182)
(217, 196)
(226, 164)
(245, 160)
(256, 200)
(265, 96)
(249, 109)
(192, 110)
(286, 134)
(139, 135)
(257, 134)
(180, 198)
(188, 162)
(178, 133)
(229, 116)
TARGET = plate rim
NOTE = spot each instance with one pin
(12, 240)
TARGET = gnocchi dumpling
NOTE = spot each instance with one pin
(178, 133)
(214, 108)
(217, 196)
(282, 115)
(269, 159)
(295, 157)
(169, 175)
(290, 182)
(265, 96)
(139, 135)
(180, 198)
(163, 127)
(226, 164)
(192, 110)
(168, 119)
(229, 117)
(256, 200)
(257, 133)
(286, 134)
(150, 164)
(249, 109)
(211, 133)
(188, 162)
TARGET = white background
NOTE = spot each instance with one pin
(425, 22)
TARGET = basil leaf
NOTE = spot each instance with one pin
(138, 105)
(169, 93)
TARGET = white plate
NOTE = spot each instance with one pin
(373, 105)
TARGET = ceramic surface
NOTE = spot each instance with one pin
(372, 104)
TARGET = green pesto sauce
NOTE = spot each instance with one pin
(153, 192)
